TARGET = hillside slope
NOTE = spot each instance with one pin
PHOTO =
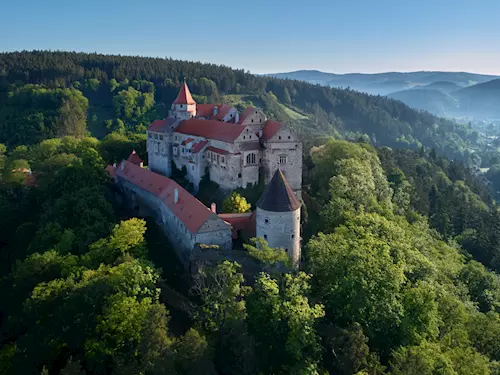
(109, 82)
(430, 100)
(481, 100)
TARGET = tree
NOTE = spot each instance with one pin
(235, 203)
(282, 320)
(261, 251)
(220, 290)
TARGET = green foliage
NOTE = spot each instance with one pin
(220, 290)
(260, 250)
(33, 113)
(282, 320)
(235, 203)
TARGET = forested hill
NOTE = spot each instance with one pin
(128, 92)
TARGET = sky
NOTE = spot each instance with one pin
(268, 36)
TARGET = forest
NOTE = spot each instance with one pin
(401, 246)
(118, 87)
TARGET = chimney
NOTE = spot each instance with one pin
(176, 195)
(237, 117)
(213, 208)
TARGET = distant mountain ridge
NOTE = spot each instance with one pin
(453, 94)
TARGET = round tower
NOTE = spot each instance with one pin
(278, 217)
(184, 106)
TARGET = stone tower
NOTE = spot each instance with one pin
(184, 106)
(278, 217)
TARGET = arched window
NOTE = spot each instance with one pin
(251, 158)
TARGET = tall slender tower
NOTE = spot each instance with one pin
(278, 217)
(184, 106)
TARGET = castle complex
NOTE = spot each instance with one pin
(236, 150)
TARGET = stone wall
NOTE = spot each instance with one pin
(159, 147)
(288, 150)
(280, 230)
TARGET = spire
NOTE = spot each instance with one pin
(134, 158)
(184, 96)
(278, 196)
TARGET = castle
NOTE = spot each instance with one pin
(231, 146)
(236, 150)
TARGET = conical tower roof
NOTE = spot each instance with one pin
(278, 196)
(184, 95)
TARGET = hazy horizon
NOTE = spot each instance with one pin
(282, 36)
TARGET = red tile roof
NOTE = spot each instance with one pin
(240, 222)
(223, 110)
(111, 170)
(246, 113)
(217, 150)
(186, 141)
(134, 158)
(210, 129)
(197, 147)
(270, 128)
(161, 125)
(189, 210)
(205, 109)
(184, 96)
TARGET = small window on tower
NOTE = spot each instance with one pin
(265, 236)
(239, 175)
(279, 137)
(266, 220)
(293, 235)
(282, 159)
(161, 137)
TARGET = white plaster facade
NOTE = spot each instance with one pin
(280, 230)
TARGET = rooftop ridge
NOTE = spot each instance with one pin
(278, 195)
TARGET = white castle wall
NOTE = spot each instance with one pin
(280, 230)
(291, 148)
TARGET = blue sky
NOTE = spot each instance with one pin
(269, 35)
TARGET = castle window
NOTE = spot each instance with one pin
(156, 136)
(251, 158)
(289, 137)
(175, 150)
(265, 236)
(192, 167)
(223, 160)
(161, 137)
(250, 137)
(279, 137)
(266, 220)
(293, 235)
(244, 137)
(252, 120)
(286, 250)
(282, 159)
(218, 159)
(260, 120)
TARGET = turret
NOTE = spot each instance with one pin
(278, 217)
(184, 106)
